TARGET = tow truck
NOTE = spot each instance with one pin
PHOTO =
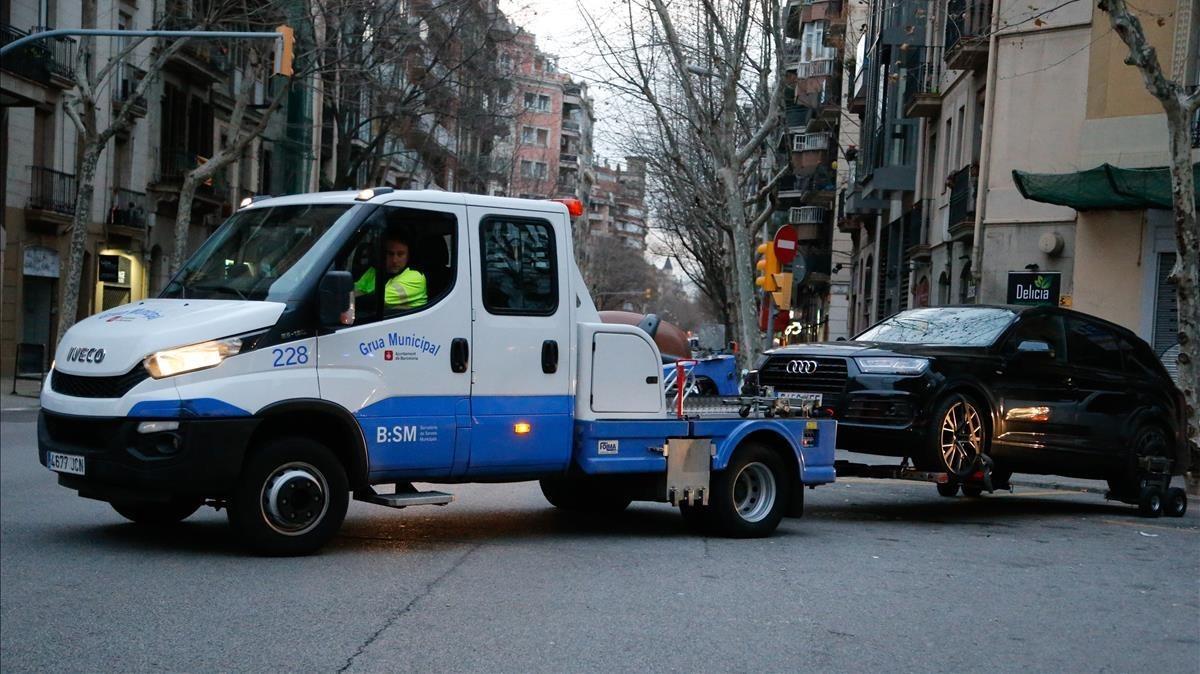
(270, 379)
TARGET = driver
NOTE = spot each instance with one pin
(405, 288)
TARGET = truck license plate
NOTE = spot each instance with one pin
(65, 463)
(814, 398)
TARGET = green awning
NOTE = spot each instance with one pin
(1104, 187)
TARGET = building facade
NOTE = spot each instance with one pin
(953, 96)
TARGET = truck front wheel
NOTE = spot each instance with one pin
(291, 498)
(749, 497)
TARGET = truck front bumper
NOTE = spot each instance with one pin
(201, 458)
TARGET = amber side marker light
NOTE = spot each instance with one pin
(522, 428)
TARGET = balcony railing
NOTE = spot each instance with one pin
(568, 159)
(808, 142)
(966, 22)
(127, 209)
(806, 215)
(818, 68)
(125, 86)
(52, 190)
(922, 85)
(39, 61)
(570, 125)
(962, 196)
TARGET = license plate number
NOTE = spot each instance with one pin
(814, 398)
(65, 463)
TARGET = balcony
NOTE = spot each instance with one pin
(51, 197)
(124, 88)
(904, 23)
(46, 62)
(809, 142)
(806, 215)
(962, 202)
(815, 188)
(200, 60)
(818, 68)
(570, 127)
(916, 240)
(1196, 130)
(127, 210)
(967, 26)
(890, 158)
(174, 164)
(568, 160)
(797, 116)
(922, 88)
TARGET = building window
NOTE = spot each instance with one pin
(534, 136)
(534, 169)
(539, 102)
(812, 43)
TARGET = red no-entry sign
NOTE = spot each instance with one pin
(785, 244)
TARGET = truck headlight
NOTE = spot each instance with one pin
(891, 365)
(190, 358)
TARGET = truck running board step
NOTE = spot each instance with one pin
(405, 496)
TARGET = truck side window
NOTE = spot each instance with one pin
(402, 260)
(520, 274)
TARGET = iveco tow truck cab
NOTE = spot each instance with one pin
(285, 368)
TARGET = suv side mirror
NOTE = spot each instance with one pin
(1035, 348)
(336, 298)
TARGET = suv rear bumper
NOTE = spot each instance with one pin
(203, 457)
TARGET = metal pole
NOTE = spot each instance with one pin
(83, 32)
(770, 321)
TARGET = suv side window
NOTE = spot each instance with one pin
(520, 274)
(1043, 328)
(1140, 360)
(1093, 346)
(402, 261)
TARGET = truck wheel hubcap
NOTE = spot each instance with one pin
(294, 498)
(754, 492)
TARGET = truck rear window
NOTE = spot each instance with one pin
(519, 267)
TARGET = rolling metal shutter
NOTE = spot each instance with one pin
(1166, 316)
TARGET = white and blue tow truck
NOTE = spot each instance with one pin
(269, 380)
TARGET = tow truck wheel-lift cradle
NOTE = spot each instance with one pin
(974, 482)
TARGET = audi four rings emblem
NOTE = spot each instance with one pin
(801, 366)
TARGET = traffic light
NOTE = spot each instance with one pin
(783, 293)
(767, 267)
(284, 50)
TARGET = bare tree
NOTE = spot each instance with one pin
(1180, 106)
(717, 67)
(82, 105)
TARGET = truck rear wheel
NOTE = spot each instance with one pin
(145, 512)
(749, 497)
(583, 496)
(291, 498)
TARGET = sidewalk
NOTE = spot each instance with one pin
(26, 398)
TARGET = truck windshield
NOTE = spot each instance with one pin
(259, 254)
(943, 326)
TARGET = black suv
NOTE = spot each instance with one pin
(1038, 389)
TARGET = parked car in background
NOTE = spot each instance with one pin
(1038, 389)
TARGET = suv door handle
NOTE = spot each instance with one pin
(460, 354)
(549, 356)
(1069, 382)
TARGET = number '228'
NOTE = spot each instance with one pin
(290, 356)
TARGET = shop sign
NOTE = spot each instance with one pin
(1039, 287)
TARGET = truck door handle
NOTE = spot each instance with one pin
(549, 356)
(460, 354)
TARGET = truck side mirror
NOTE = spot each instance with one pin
(336, 298)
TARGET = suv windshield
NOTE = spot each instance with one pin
(259, 254)
(948, 326)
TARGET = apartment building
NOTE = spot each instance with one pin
(956, 95)
(616, 205)
(810, 146)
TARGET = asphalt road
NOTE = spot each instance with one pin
(878, 575)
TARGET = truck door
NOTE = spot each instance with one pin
(521, 399)
(401, 366)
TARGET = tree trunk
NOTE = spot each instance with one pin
(79, 232)
(183, 219)
(743, 262)
(1185, 274)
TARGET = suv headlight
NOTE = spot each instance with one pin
(190, 358)
(891, 365)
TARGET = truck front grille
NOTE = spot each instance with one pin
(84, 432)
(829, 375)
(97, 387)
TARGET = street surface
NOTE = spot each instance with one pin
(878, 576)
